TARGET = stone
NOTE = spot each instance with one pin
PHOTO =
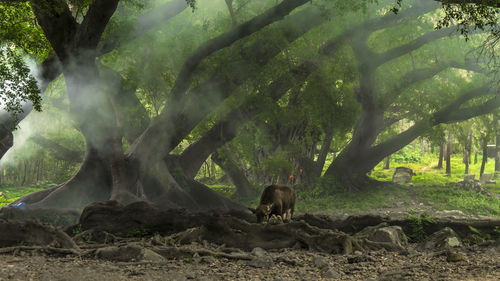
(261, 262)
(259, 252)
(443, 239)
(469, 177)
(122, 253)
(402, 175)
(330, 273)
(207, 259)
(152, 256)
(485, 178)
(389, 234)
(454, 257)
(320, 262)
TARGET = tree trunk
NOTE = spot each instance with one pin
(466, 160)
(497, 142)
(422, 147)
(485, 156)
(244, 188)
(441, 155)
(448, 153)
(323, 153)
(387, 161)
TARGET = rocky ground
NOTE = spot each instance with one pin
(161, 257)
(472, 263)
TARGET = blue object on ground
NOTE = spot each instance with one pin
(20, 205)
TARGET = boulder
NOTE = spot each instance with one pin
(487, 179)
(390, 234)
(443, 239)
(402, 175)
(469, 177)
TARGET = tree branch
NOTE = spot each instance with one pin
(415, 44)
(226, 129)
(257, 23)
(57, 24)
(58, 151)
(369, 26)
(144, 23)
(173, 125)
(449, 114)
(94, 23)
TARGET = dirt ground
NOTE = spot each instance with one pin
(478, 263)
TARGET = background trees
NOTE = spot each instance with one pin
(292, 92)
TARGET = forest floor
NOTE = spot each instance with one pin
(476, 263)
(471, 262)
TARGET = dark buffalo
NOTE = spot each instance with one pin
(276, 200)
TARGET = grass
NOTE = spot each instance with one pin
(428, 174)
(429, 188)
(15, 193)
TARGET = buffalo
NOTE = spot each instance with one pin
(278, 200)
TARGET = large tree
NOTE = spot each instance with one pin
(109, 172)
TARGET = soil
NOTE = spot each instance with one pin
(210, 261)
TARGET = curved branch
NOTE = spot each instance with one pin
(449, 114)
(413, 45)
(370, 26)
(176, 121)
(225, 130)
(257, 23)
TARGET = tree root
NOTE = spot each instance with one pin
(41, 249)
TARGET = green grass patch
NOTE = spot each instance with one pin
(377, 198)
(452, 198)
(15, 193)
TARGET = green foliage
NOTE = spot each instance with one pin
(406, 155)
(17, 85)
(14, 193)
(418, 226)
(77, 229)
(18, 27)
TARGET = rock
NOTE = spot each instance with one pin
(485, 178)
(451, 214)
(150, 255)
(390, 234)
(122, 253)
(454, 257)
(262, 262)
(442, 239)
(259, 252)
(207, 259)
(357, 259)
(402, 175)
(320, 262)
(330, 273)
(469, 177)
